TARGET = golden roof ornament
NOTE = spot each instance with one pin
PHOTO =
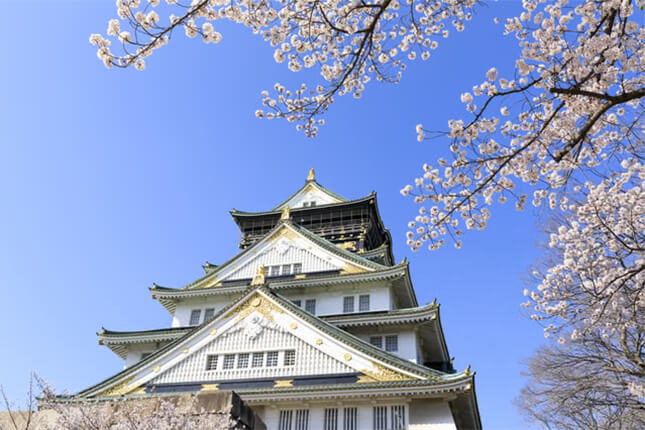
(259, 277)
(311, 176)
(286, 214)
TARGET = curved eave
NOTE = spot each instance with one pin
(243, 214)
(429, 312)
(119, 341)
(168, 296)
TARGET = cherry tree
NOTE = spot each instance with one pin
(564, 132)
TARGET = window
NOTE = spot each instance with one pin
(274, 271)
(330, 421)
(284, 421)
(302, 419)
(396, 420)
(258, 359)
(297, 303)
(392, 343)
(364, 302)
(289, 357)
(242, 361)
(229, 361)
(380, 418)
(377, 341)
(195, 314)
(272, 359)
(397, 414)
(211, 362)
(208, 313)
(350, 419)
(348, 304)
(310, 306)
(284, 269)
(308, 204)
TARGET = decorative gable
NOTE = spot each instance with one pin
(311, 194)
(254, 348)
(286, 246)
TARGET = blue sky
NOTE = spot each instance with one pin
(111, 180)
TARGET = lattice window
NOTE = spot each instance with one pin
(297, 303)
(364, 302)
(208, 313)
(297, 268)
(229, 361)
(286, 269)
(290, 357)
(272, 359)
(380, 418)
(397, 414)
(310, 306)
(195, 315)
(348, 304)
(350, 419)
(243, 361)
(302, 419)
(377, 341)
(258, 359)
(392, 343)
(330, 421)
(285, 419)
(211, 362)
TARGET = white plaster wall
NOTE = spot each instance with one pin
(408, 347)
(430, 415)
(331, 302)
(135, 351)
(270, 415)
(183, 310)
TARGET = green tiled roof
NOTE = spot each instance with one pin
(320, 187)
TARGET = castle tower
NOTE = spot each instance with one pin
(313, 324)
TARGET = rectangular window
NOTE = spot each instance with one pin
(392, 343)
(348, 304)
(310, 306)
(286, 269)
(364, 302)
(289, 357)
(297, 268)
(284, 421)
(377, 341)
(302, 419)
(274, 271)
(312, 203)
(297, 303)
(211, 362)
(330, 421)
(397, 414)
(350, 419)
(208, 313)
(380, 418)
(243, 361)
(305, 204)
(229, 361)
(272, 359)
(258, 359)
(195, 314)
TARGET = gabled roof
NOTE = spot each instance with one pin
(377, 364)
(276, 211)
(311, 185)
(211, 277)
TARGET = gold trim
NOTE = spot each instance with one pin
(383, 373)
(286, 214)
(156, 368)
(118, 389)
(347, 356)
(214, 331)
(185, 351)
(209, 387)
(319, 341)
(293, 325)
(264, 307)
(283, 383)
(312, 175)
